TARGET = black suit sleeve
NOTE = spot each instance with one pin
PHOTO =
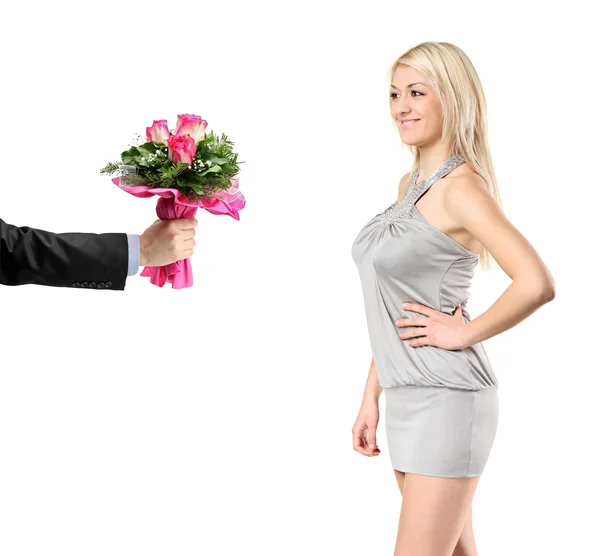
(32, 256)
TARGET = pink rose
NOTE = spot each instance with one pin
(189, 124)
(158, 132)
(182, 148)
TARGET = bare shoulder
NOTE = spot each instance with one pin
(465, 191)
(472, 208)
(402, 186)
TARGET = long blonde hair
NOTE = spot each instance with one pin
(464, 113)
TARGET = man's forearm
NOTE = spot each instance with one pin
(34, 256)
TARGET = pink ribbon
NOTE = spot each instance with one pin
(171, 205)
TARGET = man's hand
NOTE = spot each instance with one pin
(167, 241)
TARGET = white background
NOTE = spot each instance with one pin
(216, 420)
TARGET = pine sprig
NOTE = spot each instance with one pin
(115, 167)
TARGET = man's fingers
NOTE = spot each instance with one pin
(186, 223)
(181, 231)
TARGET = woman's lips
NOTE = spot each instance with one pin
(410, 123)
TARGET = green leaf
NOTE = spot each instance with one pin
(148, 148)
(191, 177)
(217, 160)
(195, 188)
(215, 168)
(130, 155)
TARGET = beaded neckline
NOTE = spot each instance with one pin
(414, 190)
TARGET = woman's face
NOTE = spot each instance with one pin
(411, 98)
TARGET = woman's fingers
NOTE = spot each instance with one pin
(357, 439)
(362, 437)
(413, 333)
(371, 440)
(371, 437)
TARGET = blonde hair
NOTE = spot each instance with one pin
(464, 113)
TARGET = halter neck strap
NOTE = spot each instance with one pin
(414, 190)
(452, 162)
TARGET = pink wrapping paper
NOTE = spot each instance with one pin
(173, 204)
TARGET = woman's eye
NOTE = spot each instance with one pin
(394, 95)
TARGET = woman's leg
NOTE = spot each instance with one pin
(465, 546)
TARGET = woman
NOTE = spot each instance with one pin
(416, 260)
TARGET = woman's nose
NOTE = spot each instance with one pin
(403, 106)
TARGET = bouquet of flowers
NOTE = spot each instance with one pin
(187, 169)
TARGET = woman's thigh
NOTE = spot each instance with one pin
(433, 513)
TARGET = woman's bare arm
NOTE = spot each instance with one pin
(472, 207)
(372, 388)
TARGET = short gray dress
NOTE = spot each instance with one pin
(441, 405)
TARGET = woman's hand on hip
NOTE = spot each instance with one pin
(438, 329)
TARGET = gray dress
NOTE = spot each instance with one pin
(441, 410)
